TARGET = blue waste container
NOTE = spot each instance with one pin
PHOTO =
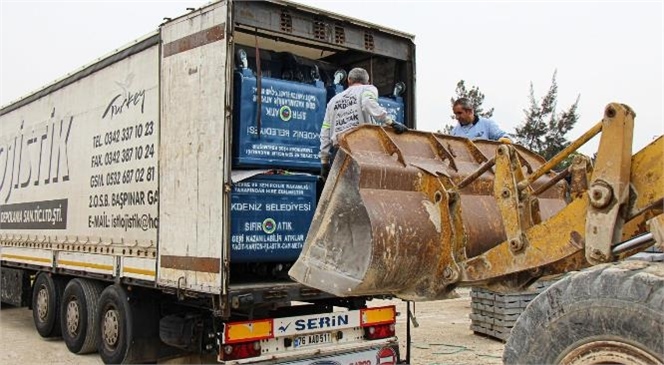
(290, 123)
(394, 107)
(270, 217)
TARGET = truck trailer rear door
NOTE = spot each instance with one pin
(192, 144)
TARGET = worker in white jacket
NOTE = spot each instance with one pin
(356, 105)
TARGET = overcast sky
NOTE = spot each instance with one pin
(603, 51)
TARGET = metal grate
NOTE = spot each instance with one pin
(339, 35)
(369, 42)
(320, 29)
(286, 22)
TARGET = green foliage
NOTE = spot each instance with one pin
(568, 161)
(447, 129)
(543, 130)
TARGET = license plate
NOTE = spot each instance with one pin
(312, 340)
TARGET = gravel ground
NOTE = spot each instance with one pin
(444, 335)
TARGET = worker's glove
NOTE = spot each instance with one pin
(324, 169)
(505, 140)
(398, 127)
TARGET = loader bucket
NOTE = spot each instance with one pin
(391, 217)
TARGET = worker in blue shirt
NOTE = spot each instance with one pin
(473, 126)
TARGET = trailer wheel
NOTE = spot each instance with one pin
(115, 321)
(79, 315)
(607, 314)
(46, 298)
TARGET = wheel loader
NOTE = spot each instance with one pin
(417, 215)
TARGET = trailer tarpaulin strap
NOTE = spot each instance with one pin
(259, 94)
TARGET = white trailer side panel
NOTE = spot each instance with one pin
(193, 89)
(28, 256)
(138, 268)
(87, 262)
(78, 166)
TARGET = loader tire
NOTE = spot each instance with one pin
(611, 313)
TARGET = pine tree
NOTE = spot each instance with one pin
(475, 96)
(543, 130)
(447, 129)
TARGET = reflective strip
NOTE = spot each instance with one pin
(26, 258)
(379, 315)
(191, 263)
(326, 125)
(205, 36)
(85, 264)
(133, 270)
(369, 94)
(248, 331)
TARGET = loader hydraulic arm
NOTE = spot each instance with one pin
(556, 245)
(418, 214)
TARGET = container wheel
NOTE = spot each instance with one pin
(610, 313)
(79, 315)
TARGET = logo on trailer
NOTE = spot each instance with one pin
(285, 113)
(283, 329)
(331, 321)
(386, 356)
(269, 226)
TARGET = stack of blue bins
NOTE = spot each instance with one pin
(271, 212)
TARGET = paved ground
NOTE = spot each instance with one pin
(443, 337)
(21, 344)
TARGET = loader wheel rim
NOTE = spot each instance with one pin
(42, 303)
(73, 317)
(111, 328)
(607, 352)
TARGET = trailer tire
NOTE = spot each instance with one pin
(46, 298)
(608, 314)
(79, 315)
(115, 321)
